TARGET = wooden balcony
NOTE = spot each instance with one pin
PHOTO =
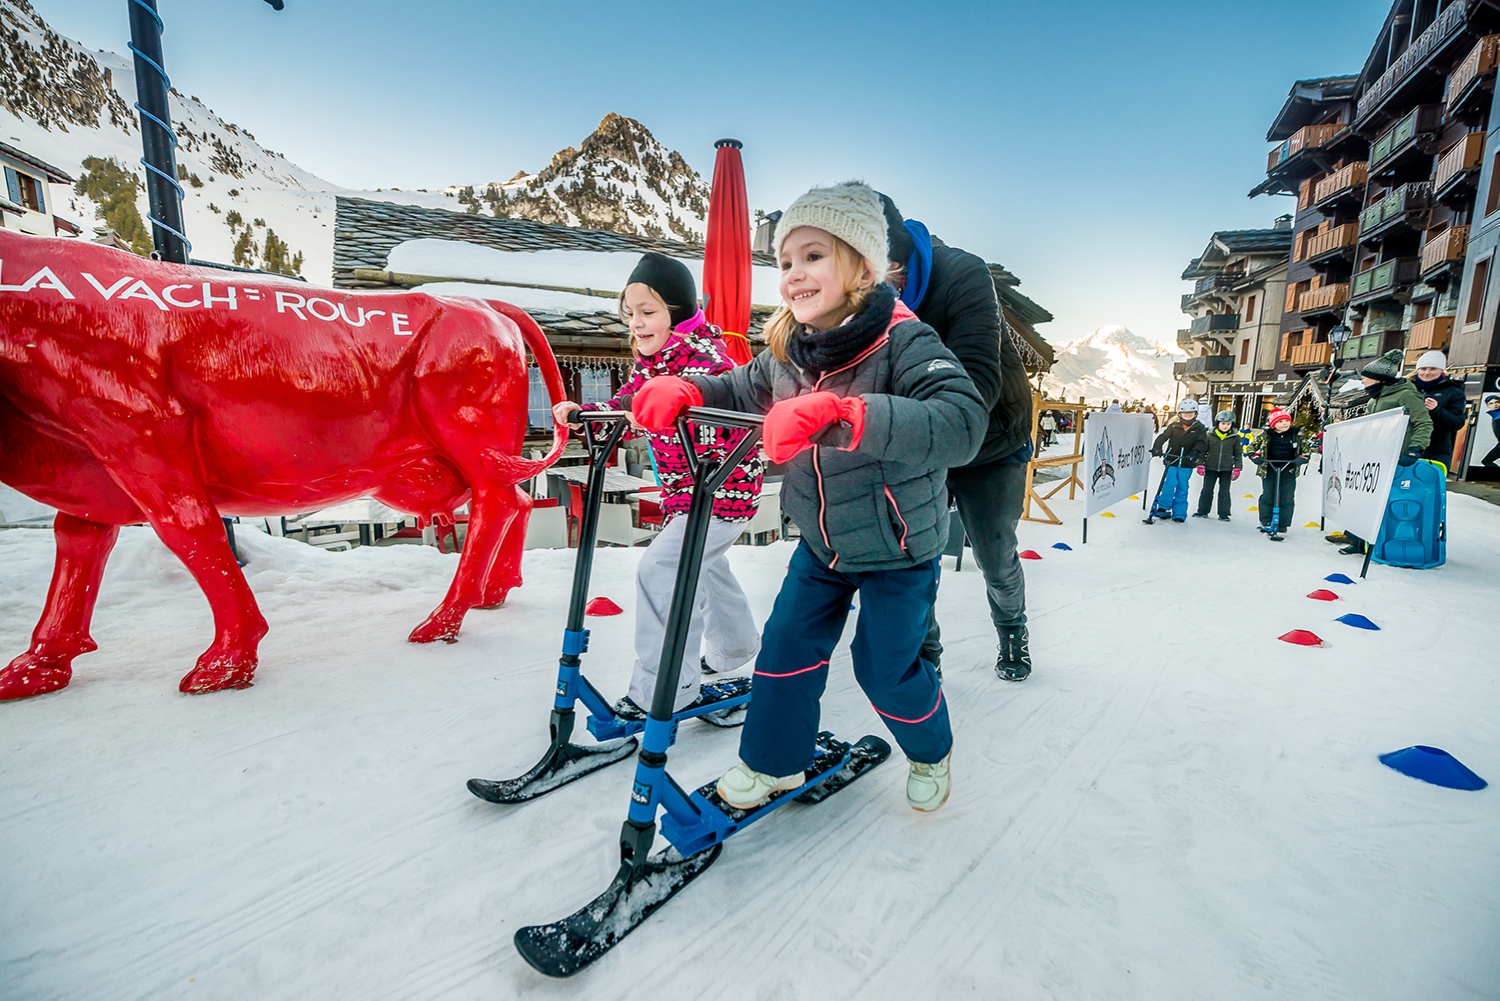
(1400, 206)
(1306, 138)
(1333, 239)
(1465, 82)
(1448, 247)
(1311, 355)
(1384, 280)
(1346, 181)
(1439, 35)
(1459, 162)
(1431, 334)
(1406, 138)
(1321, 300)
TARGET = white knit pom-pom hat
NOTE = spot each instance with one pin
(850, 211)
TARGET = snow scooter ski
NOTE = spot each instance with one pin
(695, 824)
(566, 761)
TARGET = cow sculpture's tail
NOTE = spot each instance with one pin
(512, 468)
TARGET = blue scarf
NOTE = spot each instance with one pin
(918, 265)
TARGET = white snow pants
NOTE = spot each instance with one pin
(722, 627)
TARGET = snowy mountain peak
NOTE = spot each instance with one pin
(1114, 363)
(620, 178)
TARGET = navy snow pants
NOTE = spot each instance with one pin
(781, 727)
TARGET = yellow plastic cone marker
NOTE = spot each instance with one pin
(1253, 507)
(1107, 514)
(1249, 497)
(1135, 497)
(1312, 524)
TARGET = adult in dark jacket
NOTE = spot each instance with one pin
(1181, 447)
(1388, 391)
(1222, 462)
(1445, 405)
(953, 292)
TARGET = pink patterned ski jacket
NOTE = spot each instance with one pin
(698, 351)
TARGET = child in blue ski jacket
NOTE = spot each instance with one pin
(867, 410)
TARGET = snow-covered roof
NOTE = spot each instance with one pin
(53, 174)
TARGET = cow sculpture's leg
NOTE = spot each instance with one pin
(504, 572)
(63, 631)
(491, 512)
(188, 524)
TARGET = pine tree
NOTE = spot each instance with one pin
(278, 257)
(113, 187)
(245, 251)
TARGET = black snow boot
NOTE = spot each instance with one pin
(706, 667)
(1014, 662)
(626, 709)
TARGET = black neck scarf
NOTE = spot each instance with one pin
(832, 349)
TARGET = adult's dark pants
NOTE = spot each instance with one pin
(990, 499)
(1278, 496)
(1223, 478)
(781, 725)
(1492, 457)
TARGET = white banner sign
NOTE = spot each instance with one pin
(1117, 450)
(1359, 465)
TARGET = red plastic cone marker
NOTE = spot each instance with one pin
(602, 606)
(1301, 637)
(1029, 554)
(1323, 594)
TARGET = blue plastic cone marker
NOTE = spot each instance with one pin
(1435, 765)
(1339, 578)
(1063, 546)
(1357, 621)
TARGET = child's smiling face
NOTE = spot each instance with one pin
(813, 284)
(647, 316)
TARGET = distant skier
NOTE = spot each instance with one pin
(1180, 447)
(1388, 391)
(1114, 407)
(1280, 455)
(1048, 425)
(670, 337)
(868, 410)
(1222, 462)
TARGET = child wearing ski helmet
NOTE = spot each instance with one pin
(867, 410)
(1222, 462)
(671, 339)
(1279, 455)
(1180, 447)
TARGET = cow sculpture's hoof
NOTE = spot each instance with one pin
(442, 624)
(215, 674)
(26, 676)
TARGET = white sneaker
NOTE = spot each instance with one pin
(744, 788)
(927, 786)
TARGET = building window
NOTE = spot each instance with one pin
(1244, 351)
(25, 190)
(538, 402)
(1250, 310)
(1492, 200)
(594, 384)
(1477, 288)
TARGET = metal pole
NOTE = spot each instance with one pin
(158, 142)
(1085, 531)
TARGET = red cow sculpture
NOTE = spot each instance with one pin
(133, 390)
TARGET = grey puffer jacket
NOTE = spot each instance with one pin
(883, 505)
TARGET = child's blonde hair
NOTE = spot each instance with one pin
(851, 266)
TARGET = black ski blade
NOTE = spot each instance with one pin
(864, 755)
(567, 764)
(562, 948)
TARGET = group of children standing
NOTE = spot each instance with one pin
(867, 410)
(1217, 454)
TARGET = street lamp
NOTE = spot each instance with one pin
(1338, 337)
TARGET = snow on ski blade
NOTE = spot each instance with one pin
(1144, 820)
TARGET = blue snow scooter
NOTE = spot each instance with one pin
(566, 761)
(695, 824)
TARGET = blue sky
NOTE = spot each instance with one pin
(1089, 147)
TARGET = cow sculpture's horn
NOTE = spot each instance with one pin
(512, 468)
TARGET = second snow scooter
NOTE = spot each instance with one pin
(696, 824)
(566, 761)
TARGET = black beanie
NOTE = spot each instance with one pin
(669, 278)
(896, 236)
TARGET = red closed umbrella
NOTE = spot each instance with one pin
(726, 254)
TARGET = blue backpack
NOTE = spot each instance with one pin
(1414, 532)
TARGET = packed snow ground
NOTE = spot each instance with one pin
(1175, 805)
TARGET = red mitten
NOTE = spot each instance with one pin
(657, 403)
(1200, 470)
(792, 424)
(1234, 475)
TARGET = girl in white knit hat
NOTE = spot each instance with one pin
(867, 410)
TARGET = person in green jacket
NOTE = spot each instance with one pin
(1387, 390)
